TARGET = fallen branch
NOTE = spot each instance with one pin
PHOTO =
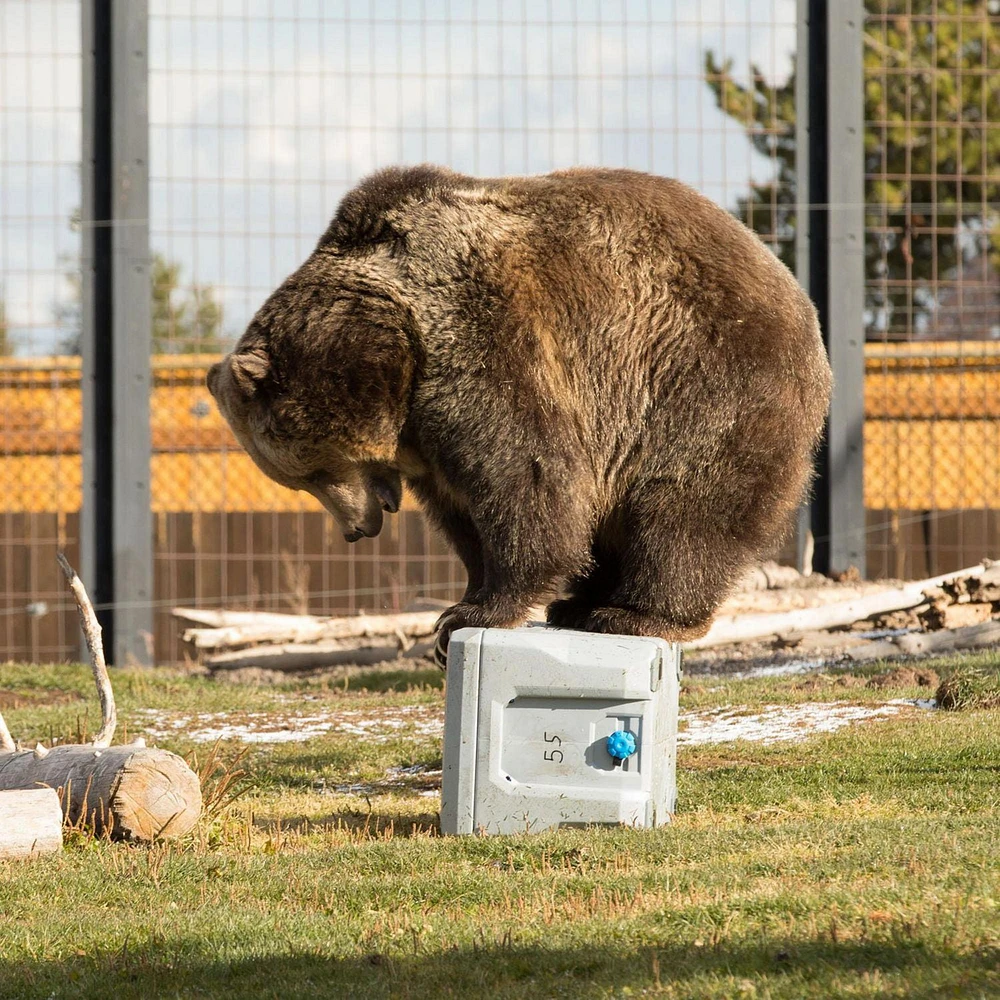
(131, 792)
(741, 628)
(314, 656)
(306, 629)
(92, 634)
(942, 641)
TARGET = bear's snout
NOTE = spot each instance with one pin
(364, 531)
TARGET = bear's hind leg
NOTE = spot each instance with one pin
(675, 568)
(590, 589)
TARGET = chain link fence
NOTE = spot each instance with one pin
(39, 393)
(262, 114)
(932, 388)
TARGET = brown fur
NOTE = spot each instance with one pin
(595, 378)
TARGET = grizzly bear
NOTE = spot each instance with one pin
(593, 380)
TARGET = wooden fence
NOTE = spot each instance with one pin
(225, 533)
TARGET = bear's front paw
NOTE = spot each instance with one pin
(494, 614)
(461, 615)
(453, 618)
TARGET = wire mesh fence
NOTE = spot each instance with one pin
(932, 435)
(262, 114)
(39, 395)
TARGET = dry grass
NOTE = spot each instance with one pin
(865, 863)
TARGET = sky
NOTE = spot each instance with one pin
(264, 112)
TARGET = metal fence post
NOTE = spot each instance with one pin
(830, 257)
(804, 537)
(116, 522)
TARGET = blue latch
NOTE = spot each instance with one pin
(621, 744)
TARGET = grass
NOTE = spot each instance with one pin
(973, 685)
(863, 863)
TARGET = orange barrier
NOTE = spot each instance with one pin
(932, 435)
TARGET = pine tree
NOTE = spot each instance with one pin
(932, 145)
(188, 323)
(185, 321)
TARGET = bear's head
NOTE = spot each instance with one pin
(317, 391)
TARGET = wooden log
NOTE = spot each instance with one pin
(131, 792)
(942, 641)
(740, 628)
(987, 587)
(966, 637)
(771, 576)
(217, 618)
(306, 629)
(221, 618)
(30, 823)
(315, 655)
(874, 649)
(819, 640)
(953, 616)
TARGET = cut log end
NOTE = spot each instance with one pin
(158, 797)
(133, 793)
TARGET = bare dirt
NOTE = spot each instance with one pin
(905, 677)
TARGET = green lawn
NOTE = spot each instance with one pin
(860, 863)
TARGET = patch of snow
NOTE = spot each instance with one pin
(285, 727)
(395, 780)
(780, 669)
(414, 769)
(356, 789)
(778, 723)
(248, 735)
(915, 702)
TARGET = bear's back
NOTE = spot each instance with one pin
(588, 254)
(635, 227)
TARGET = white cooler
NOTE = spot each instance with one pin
(548, 727)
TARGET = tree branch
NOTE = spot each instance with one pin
(92, 633)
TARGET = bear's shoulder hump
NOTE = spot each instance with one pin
(363, 218)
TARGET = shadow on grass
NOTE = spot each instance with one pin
(362, 824)
(502, 969)
(377, 681)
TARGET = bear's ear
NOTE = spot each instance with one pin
(251, 370)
